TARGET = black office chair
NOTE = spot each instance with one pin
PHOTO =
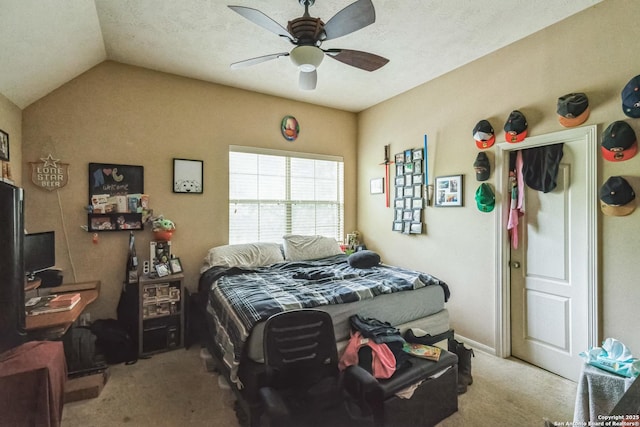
(302, 373)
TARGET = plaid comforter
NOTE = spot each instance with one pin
(240, 298)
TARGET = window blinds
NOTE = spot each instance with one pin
(273, 193)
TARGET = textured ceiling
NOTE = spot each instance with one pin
(46, 43)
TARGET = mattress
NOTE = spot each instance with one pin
(399, 309)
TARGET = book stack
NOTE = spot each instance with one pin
(51, 303)
(65, 300)
(423, 351)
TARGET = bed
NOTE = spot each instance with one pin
(243, 285)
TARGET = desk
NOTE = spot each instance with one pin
(56, 324)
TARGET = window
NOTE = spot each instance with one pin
(273, 193)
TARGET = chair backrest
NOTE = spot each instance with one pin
(299, 348)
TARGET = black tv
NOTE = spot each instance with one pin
(12, 317)
(39, 252)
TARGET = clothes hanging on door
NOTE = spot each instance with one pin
(540, 166)
(516, 209)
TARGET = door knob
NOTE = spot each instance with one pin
(515, 264)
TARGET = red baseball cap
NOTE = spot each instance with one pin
(515, 127)
(619, 142)
(483, 134)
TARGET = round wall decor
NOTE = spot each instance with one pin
(290, 128)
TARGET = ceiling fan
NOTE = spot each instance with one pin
(308, 33)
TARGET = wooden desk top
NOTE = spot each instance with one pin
(62, 320)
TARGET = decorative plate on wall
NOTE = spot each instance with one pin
(290, 128)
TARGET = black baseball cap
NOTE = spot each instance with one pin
(617, 198)
(573, 109)
(483, 134)
(619, 142)
(482, 167)
(515, 127)
(631, 98)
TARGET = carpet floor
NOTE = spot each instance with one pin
(175, 389)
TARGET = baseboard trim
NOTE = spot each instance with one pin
(476, 345)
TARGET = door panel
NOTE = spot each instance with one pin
(541, 310)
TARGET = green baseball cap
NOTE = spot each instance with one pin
(485, 199)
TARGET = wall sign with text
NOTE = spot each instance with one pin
(49, 174)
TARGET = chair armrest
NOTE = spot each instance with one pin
(365, 389)
(361, 385)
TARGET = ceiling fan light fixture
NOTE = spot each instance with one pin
(307, 58)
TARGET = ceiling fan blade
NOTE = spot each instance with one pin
(352, 18)
(308, 80)
(363, 60)
(263, 20)
(258, 60)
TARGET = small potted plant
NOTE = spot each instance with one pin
(163, 228)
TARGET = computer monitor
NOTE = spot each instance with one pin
(39, 252)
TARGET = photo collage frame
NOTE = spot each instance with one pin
(409, 191)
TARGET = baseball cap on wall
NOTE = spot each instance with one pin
(515, 127)
(483, 134)
(617, 198)
(485, 199)
(482, 167)
(573, 109)
(631, 98)
(619, 142)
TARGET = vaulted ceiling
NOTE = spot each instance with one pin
(46, 43)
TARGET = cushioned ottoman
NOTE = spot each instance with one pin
(434, 399)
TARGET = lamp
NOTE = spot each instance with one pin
(307, 58)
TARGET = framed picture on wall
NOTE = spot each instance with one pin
(4, 146)
(187, 176)
(448, 190)
(376, 186)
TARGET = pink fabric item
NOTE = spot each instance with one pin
(383, 360)
(516, 210)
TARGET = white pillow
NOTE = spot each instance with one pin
(247, 255)
(302, 248)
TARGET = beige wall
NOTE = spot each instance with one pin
(11, 123)
(121, 114)
(591, 52)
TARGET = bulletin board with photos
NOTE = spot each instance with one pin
(409, 191)
(116, 197)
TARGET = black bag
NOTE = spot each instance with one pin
(80, 350)
(114, 341)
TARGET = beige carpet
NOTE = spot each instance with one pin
(174, 389)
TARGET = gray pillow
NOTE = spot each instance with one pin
(363, 259)
(303, 248)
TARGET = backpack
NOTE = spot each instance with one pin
(115, 343)
(80, 350)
